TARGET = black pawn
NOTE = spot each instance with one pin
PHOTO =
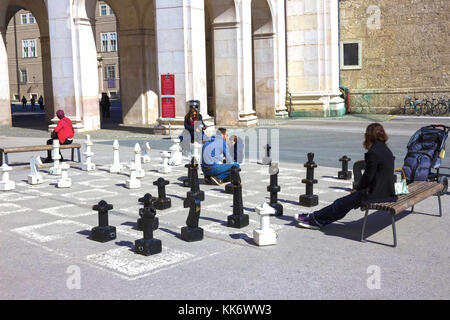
(187, 182)
(147, 200)
(195, 186)
(147, 245)
(238, 219)
(192, 232)
(345, 174)
(268, 147)
(103, 232)
(162, 202)
(309, 199)
(274, 188)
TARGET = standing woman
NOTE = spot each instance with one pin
(376, 185)
(190, 124)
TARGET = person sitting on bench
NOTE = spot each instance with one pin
(63, 132)
(214, 154)
(376, 184)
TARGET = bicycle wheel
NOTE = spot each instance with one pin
(427, 108)
(443, 109)
(418, 109)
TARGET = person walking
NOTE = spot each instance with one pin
(33, 103)
(105, 105)
(376, 184)
(64, 132)
(41, 103)
(24, 102)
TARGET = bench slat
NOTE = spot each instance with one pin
(38, 148)
(418, 191)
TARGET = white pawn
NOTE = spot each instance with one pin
(145, 157)
(5, 183)
(34, 177)
(140, 173)
(56, 169)
(265, 235)
(165, 168)
(176, 157)
(88, 165)
(116, 166)
(196, 151)
(133, 182)
(65, 181)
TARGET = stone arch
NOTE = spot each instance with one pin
(264, 56)
(39, 10)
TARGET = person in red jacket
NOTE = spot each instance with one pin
(63, 132)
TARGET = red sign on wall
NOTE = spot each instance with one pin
(168, 108)
(167, 84)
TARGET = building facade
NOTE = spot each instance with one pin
(239, 58)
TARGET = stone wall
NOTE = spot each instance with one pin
(404, 52)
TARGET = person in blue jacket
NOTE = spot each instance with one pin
(216, 159)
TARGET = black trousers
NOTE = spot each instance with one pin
(49, 152)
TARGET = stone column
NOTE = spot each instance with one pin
(5, 103)
(313, 65)
(180, 30)
(280, 58)
(47, 78)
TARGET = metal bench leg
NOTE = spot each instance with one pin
(6, 158)
(364, 226)
(412, 209)
(73, 152)
(1, 158)
(393, 230)
(440, 206)
(79, 155)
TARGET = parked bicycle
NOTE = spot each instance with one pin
(415, 106)
(441, 108)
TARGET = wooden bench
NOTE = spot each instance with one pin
(418, 191)
(5, 151)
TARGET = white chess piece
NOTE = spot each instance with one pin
(34, 177)
(65, 181)
(88, 165)
(116, 167)
(265, 235)
(5, 183)
(196, 151)
(165, 168)
(133, 182)
(176, 157)
(56, 169)
(146, 156)
(140, 173)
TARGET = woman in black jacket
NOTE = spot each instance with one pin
(190, 124)
(376, 185)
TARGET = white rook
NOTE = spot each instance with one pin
(145, 157)
(116, 166)
(56, 169)
(140, 173)
(176, 157)
(34, 177)
(65, 181)
(265, 235)
(133, 182)
(88, 165)
(5, 183)
(165, 168)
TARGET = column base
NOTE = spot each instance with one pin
(248, 120)
(320, 105)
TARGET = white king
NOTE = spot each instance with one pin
(265, 235)
(88, 165)
(34, 177)
(140, 173)
(5, 183)
(116, 167)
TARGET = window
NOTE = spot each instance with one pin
(110, 72)
(113, 41)
(24, 18)
(31, 18)
(16, 97)
(104, 42)
(23, 76)
(29, 48)
(103, 9)
(351, 55)
(111, 12)
(113, 94)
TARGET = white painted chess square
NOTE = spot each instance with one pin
(68, 211)
(51, 231)
(130, 264)
(93, 194)
(14, 197)
(97, 183)
(8, 208)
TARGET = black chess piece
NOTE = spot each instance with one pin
(268, 147)
(187, 182)
(162, 202)
(238, 219)
(345, 174)
(309, 199)
(148, 245)
(192, 232)
(358, 168)
(195, 185)
(274, 188)
(147, 200)
(103, 232)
